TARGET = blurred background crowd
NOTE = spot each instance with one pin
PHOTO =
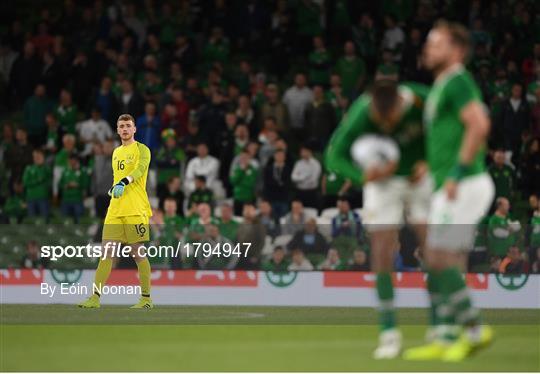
(237, 100)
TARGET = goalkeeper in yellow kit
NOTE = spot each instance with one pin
(129, 212)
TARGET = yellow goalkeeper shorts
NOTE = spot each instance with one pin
(127, 230)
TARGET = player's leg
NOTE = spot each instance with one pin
(112, 237)
(448, 240)
(384, 244)
(419, 205)
(138, 232)
(384, 215)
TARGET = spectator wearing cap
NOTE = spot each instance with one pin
(73, 183)
(306, 176)
(202, 165)
(169, 159)
(243, 180)
(149, 127)
(93, 130)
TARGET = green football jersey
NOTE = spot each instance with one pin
(535, 231)
(444, 128)
(408, 134)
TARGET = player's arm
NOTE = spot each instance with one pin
(476, 122)
(140, 169)
(337, 156)
(474, 118)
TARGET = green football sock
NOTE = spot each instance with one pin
(457, 308)
(435, 297)
(102, 274)
(385, 292)
(144, 276)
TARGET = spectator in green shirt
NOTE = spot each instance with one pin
(502, 175)
(351, 69)
(502, 232)
(387, 69)
(228, 226)
(319, 62)
(277, 263)
(169, 159)
(217, 49)
(37, 181)
(73, 184)
(202, 194)
(66, 112)
(173, 226)
(243, 180)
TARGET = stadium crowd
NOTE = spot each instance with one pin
(237, 100)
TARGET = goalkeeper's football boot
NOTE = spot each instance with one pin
(91, 302)
(469, 342)
(144, 303)
(389, 345)
(428, 352)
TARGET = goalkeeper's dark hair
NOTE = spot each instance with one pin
(384, 95)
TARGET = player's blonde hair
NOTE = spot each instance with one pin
(126, 117)
(458, 33)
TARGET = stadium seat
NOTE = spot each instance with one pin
(311, 212)
(282, 240)
(329, 213)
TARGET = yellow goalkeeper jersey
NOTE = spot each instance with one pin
(132, 160)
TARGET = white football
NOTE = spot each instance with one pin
(374, 151)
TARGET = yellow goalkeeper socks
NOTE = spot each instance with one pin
(102, 274)
(144, 276)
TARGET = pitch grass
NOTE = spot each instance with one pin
(64, 338)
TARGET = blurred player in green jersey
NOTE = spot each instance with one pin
(392, 191)
(457, 125)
